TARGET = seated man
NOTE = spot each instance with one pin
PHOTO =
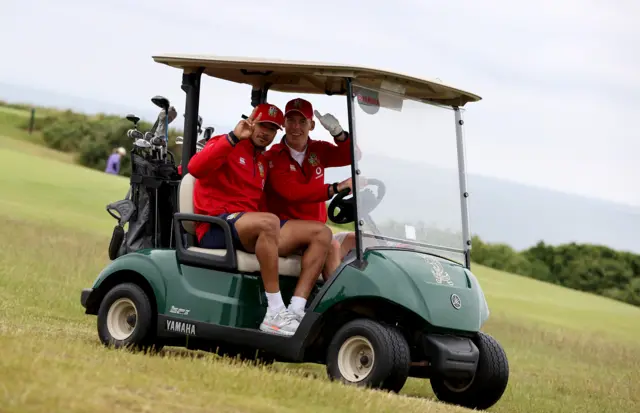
(295, 188)
(230, 176)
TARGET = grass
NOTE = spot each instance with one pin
(568, 351)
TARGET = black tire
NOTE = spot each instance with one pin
(125, 296)
(488, 384)
(391, 355)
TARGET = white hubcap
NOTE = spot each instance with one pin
(356, 359)
(122, 318)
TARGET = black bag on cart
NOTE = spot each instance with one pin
(148, 208)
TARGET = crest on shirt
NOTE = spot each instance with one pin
(242, 161)
(270, 164)
(313, 159)
(292, 167)
(261, 169)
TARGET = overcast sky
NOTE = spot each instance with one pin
(560, 80)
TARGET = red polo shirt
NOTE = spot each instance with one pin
(229, 178)
(299, 192)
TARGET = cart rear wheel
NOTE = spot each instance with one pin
(486, 387)
(366, 353)
(125, 317)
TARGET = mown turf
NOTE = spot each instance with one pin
(568, 351)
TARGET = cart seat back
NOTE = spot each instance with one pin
(289, 266)
(185, 201)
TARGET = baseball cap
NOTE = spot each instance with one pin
(299, 105)
(270, 114)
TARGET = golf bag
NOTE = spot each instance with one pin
(148, 207)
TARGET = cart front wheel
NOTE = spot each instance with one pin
(488, 384)
(125, 317)
(366, 353)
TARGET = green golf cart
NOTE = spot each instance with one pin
(403, 303)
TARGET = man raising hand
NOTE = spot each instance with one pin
(230, 173)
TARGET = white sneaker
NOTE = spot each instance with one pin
(282, 323)
(297, 314)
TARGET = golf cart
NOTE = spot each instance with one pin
(403, 303)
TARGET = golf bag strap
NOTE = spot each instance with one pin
(146, 180)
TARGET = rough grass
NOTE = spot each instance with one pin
(568, 351)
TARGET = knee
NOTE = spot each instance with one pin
(321, 234)
(335, 245)
(350, 238)
(324, 236)
(269, 224)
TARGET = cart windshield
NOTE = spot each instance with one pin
(408, 149)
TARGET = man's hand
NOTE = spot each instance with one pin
(330, 123)
(347, 183)
(244, 129)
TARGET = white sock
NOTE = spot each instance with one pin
(275, 301)
(297, 303)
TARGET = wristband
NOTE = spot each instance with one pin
(346, 136)
(232, 138)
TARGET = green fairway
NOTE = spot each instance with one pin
(568, 351)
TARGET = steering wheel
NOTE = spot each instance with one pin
(368, 201)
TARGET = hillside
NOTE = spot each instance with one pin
(501, 211)
(418, 194)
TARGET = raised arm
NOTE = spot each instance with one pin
(215, 152)
(338, 154)
(212, 156)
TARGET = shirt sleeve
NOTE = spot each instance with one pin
(338, 154)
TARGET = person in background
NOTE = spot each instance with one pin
(113, 163)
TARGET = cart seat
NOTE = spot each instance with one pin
(247, 262)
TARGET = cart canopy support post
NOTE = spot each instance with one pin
(464, 193)
(191, 86)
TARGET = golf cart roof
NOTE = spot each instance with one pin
(314, 77)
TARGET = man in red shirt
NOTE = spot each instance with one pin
(230, 173)
(296, 188)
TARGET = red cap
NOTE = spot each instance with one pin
(269, 113)
(299, 105)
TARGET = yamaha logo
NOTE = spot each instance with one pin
(455, 301)
(180, 327)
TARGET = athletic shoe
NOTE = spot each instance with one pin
(282, 322)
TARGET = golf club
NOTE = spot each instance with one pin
(135, 134)
(133, 119)
(208, 133)
(163, 103)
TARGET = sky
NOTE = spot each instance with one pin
(560, 80)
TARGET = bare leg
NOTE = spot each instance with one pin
(258, 232)
(348, 243)
(296, 234)
(334, 257)
(339, 249)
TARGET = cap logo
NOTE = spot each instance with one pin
(297, 103)
(273, 111)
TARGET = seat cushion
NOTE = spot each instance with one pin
(185, 201)
(289, 266)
